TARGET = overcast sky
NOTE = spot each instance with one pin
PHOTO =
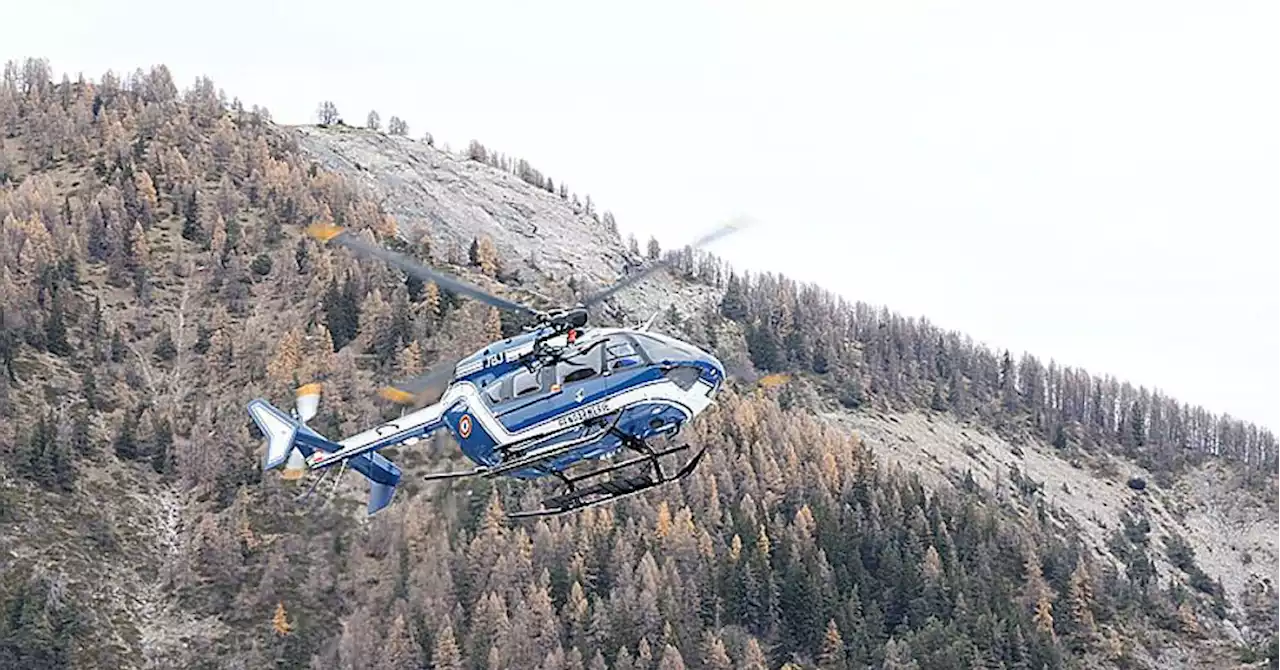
(1093, 182)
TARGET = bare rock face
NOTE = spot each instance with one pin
(453, 200)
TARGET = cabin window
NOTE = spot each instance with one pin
(494, 391)
(578, 374)
(621, 350)
(525, 383)
(578, 368)
(622, 355)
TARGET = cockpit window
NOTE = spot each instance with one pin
(577, 369)
(494, 392)
(524, 383)
(583, 365)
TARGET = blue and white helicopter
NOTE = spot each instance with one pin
(547, 402)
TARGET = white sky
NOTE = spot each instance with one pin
(1094, 182)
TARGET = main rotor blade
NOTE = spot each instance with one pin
(417, 390)
(734, 225)
(343, 237)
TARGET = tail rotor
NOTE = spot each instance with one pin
(306, 405)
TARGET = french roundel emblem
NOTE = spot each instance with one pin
(464, 426)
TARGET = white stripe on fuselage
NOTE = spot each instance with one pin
(692, 401)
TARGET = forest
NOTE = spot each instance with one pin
(154, 278)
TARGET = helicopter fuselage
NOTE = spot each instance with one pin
(532, 405)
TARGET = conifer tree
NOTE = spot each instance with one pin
(654, 250)
(831, 655)
(671, 659)
(1079, 599)
(280, 621)
(400, 651)
(753, 657)
(446, 656)
(714, 655)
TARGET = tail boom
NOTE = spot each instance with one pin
(405, 430)
(284, 433)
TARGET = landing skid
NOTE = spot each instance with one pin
(613, 489)
(594, 493)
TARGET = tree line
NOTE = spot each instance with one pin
(888, 360)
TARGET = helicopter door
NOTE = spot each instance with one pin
(528, 396)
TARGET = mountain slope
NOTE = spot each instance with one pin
(1085, 481)
(153, 278)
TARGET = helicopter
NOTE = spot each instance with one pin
(546, 402)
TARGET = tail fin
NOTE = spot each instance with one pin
(280, 429)
(285, 435)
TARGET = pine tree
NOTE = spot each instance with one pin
(664, 520)
(288, 358)
(126, 442)
(831, 655)
(753, 657)
(165, 349)
(897, 656)
(734, 303)
(55, 329)
(431, 299)
(1080, 599)
(446, 656)
(377, 328)
(623, 660)
(280, 622)
(671, 659)
(401, 651)
(492, 325)
(342, 313)
(714, 655)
